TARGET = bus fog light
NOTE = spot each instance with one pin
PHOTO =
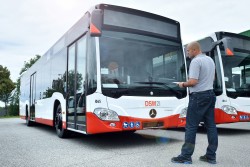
(106, 114)
(112, 124)
(183, 113)
(229, 110)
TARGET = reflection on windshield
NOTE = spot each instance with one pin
(237, 73)
(128, 60)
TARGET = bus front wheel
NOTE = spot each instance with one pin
(62, 133)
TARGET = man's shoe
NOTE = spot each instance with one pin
(204, 158)
(181, 160)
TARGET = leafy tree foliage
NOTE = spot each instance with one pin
(6, 86)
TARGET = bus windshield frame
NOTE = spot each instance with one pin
(146, 52)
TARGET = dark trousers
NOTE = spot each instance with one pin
(200, 108)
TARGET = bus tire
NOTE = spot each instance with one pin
(62, 133)
(28, 122)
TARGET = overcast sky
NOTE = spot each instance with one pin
(30, 27)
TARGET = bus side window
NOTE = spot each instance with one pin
(81, 104)
(81, 101)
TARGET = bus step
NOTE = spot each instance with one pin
(71, 125)
(81, 127)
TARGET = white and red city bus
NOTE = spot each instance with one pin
(231, 54)
(114, 70)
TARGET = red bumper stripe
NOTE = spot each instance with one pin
(95, 125)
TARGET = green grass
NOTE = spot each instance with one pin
(2, 117)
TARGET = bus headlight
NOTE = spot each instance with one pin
(229, 110)
(106, 114)
(183, 113)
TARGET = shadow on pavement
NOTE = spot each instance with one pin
(109, 140)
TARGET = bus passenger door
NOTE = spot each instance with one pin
(32, 95)
(71, 87)
(76, 118)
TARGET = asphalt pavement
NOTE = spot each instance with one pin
(39, 146)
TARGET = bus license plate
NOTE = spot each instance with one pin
(152, 124)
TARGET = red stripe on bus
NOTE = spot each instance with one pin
(222, 117)
(95, 125)
(64, 125)
(44, 121)
(22, 117)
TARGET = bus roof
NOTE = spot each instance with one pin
(220, 35)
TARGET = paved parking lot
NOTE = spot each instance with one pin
(39, 146)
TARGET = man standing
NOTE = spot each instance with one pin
(201, 105)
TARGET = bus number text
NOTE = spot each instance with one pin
(152, 103)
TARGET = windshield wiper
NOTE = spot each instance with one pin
(178, 93)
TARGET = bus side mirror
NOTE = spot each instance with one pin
(227, 42)
(96, 21)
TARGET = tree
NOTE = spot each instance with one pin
(6, 86)
(14, 101)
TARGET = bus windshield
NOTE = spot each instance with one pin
(237, 69)
(138, 65)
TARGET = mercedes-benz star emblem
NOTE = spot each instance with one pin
(152, 113)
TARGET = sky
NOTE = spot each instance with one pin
(31, 27)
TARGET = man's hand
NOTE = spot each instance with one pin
(180, 84)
